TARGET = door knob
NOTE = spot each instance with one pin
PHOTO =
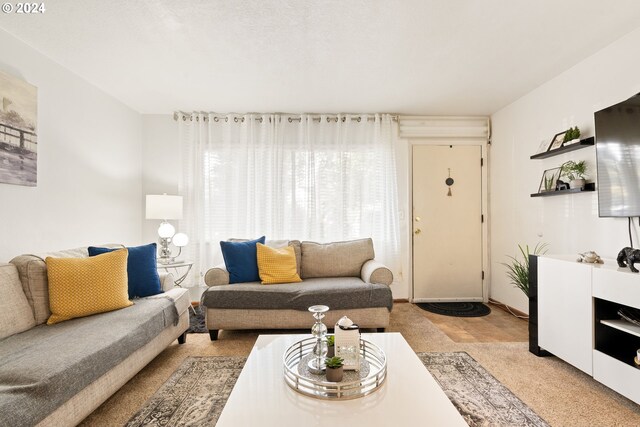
(418, 231)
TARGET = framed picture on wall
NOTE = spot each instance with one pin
(544, 146)
(18, 131)
(557, 140)
(549, 180)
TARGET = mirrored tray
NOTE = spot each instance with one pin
(355, 384)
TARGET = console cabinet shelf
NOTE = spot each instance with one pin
(578, 321)
(584, 143)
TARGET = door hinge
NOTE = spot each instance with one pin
(481, 162)
(483, 275)
(481, 218)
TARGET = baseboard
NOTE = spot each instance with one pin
(508, 308)
(401, 300)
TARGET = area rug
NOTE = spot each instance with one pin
(196, 320)
(197, 391)
(456, 309)
(480, 398)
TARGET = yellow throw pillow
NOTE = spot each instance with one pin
(81, 287)
(277, 265)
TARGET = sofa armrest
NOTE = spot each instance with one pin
(166, 281)
(217, 276)
(376, 272)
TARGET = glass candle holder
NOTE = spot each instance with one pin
(319, 331)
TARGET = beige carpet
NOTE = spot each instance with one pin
(559, 393)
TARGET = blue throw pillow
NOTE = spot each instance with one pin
(141, 269)
(241, 261)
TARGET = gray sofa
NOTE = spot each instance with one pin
(341, 275)
(56, 375)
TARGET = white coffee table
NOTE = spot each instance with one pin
(410, 395)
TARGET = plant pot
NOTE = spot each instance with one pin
(576, 183)
(335, 375)
(331, 351)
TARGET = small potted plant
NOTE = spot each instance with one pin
(572, 136)
(331, 345)
(335, 369)
(575, 172)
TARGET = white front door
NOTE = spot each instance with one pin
(447, 229)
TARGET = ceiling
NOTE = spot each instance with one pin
(435, 57)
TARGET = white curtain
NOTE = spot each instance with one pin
(322, 178)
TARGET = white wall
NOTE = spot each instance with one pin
(89, 156)
(161, 167)
(569, 223)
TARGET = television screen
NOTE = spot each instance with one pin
(618, 159)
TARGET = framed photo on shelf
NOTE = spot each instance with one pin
(544, 146)
(549, 180)
(557, 140)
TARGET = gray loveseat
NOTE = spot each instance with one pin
(56, 375)
(341, 275)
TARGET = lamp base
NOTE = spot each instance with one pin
(166, 260)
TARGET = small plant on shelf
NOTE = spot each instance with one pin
(335, 369)
(575, 173)
(572, 133)
(518, 271)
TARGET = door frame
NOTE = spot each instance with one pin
(483, 144)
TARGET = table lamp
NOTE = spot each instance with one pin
(166, 207)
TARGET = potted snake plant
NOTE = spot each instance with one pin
(331, 345)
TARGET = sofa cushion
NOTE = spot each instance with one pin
(15, 312)
(81, 287)
(281, 244)
(277, 265)
(337, 259)
(240, 260)
(337, 293)
(42, 368)
(33, 276)
(142, 270)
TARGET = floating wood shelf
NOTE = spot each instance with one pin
(590, 186)
(588, 142)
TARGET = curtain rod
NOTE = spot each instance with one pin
(291, 117)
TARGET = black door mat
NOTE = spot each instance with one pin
(456, 309)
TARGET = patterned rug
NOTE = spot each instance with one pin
(197, 391)
(196, 321)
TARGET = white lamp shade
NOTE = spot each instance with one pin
(180, 240)
(166, 230)
(163, 206)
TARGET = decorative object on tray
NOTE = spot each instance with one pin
(590, 257)
(331, 345)
(319, 331)
(636, 359)
(549, 180)
(572, 136)
(347, 343)
(575, 173)
(627, 257)
(335, 369)
(518, 271)
(557, 140)
(369, 377)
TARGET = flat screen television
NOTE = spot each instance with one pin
(617, 131)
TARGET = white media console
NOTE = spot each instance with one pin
(577, 319)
